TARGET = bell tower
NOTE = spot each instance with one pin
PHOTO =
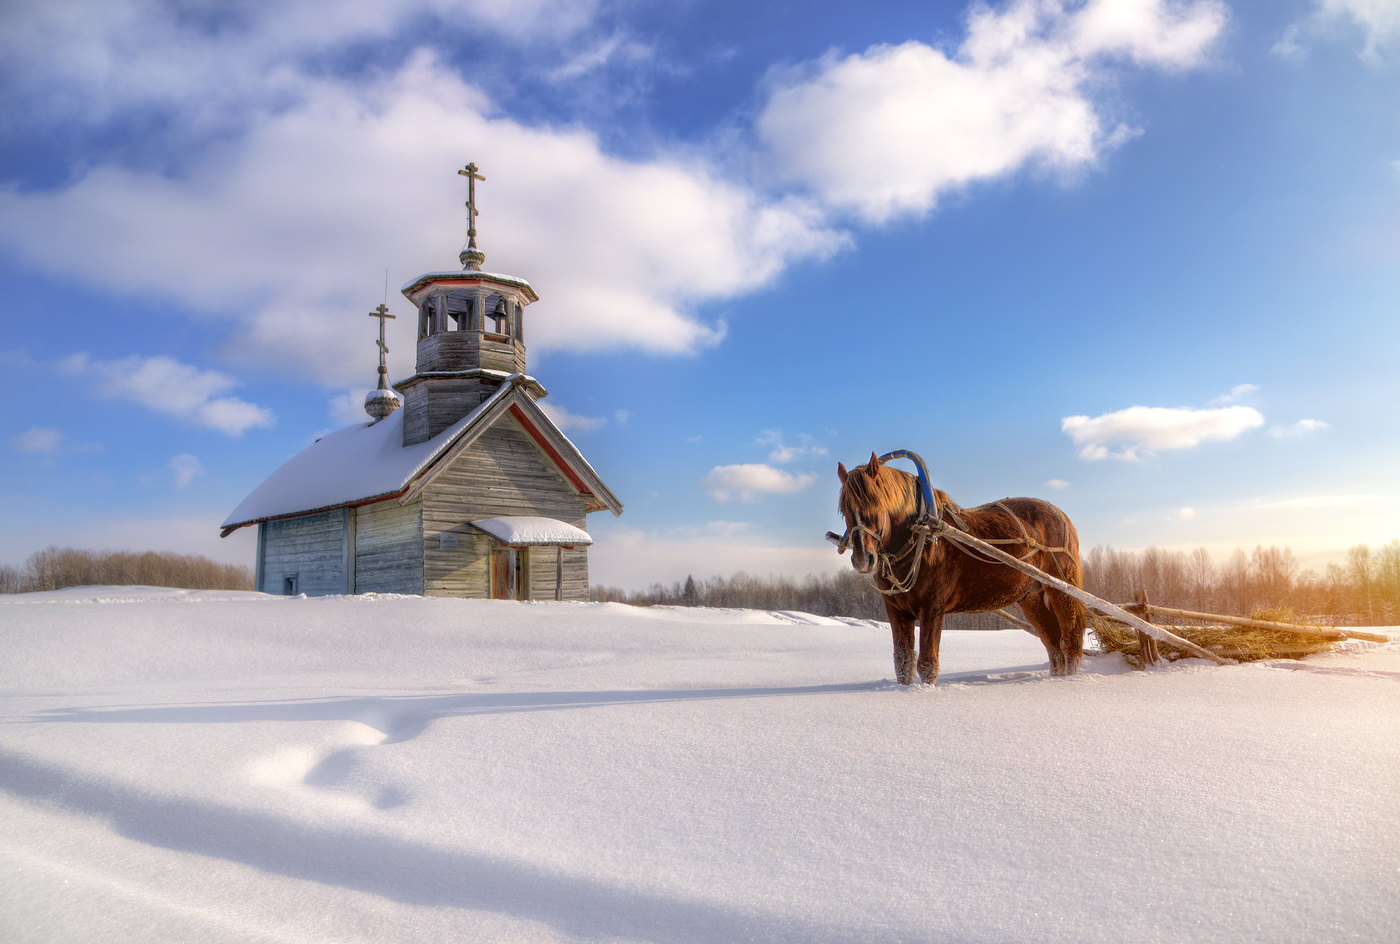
(471, 336)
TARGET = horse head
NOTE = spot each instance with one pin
(873, 498)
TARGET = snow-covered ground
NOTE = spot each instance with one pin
(208, 767)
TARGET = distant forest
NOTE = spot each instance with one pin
(1365, 591)
(57, 567)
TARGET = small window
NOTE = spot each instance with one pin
(289, 585)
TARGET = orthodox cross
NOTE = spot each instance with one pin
(381, 313)
(472, 176)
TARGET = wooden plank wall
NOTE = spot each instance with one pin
(544, 570)
(310, 546)
(432, 405)
(503, 473)
(388, 548)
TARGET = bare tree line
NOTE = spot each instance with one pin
(843, 594)
(57, 567)
(1365, 591)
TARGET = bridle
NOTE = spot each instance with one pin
(924, 528)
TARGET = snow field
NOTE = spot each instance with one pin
(225, 766)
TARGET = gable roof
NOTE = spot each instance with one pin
(368, 462)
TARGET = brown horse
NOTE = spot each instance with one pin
(882, 507)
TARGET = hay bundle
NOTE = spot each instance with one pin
(1245, 643)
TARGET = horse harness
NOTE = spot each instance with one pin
(929, 527)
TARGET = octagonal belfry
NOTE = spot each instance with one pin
(471, 337)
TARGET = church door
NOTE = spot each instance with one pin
(507, 573)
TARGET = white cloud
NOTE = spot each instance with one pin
(749, 482)
(185, 467)
(783, 453)
(1379, 19)
(885, 132)
(39, 440)
(50, 442)
(287, 231)
(167, 386)
(1128, 434)
(614, 48)
(215, 62)
(1237, 393)
(1057, 484)
(572, 422)
(1182, 514)
(1298, 429)
(1288, 46)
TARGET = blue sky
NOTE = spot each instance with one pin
(1139, 257)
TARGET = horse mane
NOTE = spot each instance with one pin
(883, 491)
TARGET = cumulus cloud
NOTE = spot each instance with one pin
(39, 440)
(185, 467)
(212, 62)
(1298, 429)
(784, 452)
(884, 132)
(1237, 393)
(1057, 484)
(749, 482)
(294, 186)
(286, 232)
(572, 422)
(1378, 19)
(49, 442)
(1138, 430)
(167, 386)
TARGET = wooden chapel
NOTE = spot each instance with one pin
(464, 489)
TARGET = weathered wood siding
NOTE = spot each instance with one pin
(503, 473)
(310, 548)
(388, 548)
(544, 573)
(433, 404)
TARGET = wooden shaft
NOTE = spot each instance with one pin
(1016, 621)
(1088, 599)
(1331, 632)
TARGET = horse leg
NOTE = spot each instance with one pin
(1072, 618)
(1047, 627)
(930, 633)
(902, 628)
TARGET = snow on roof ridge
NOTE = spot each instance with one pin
(355, 464)
(462, 273)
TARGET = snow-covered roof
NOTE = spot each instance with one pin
(467, 275)
(368, 461)
(355, 464)
(529, 529)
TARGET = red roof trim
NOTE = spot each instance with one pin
(550, 451)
